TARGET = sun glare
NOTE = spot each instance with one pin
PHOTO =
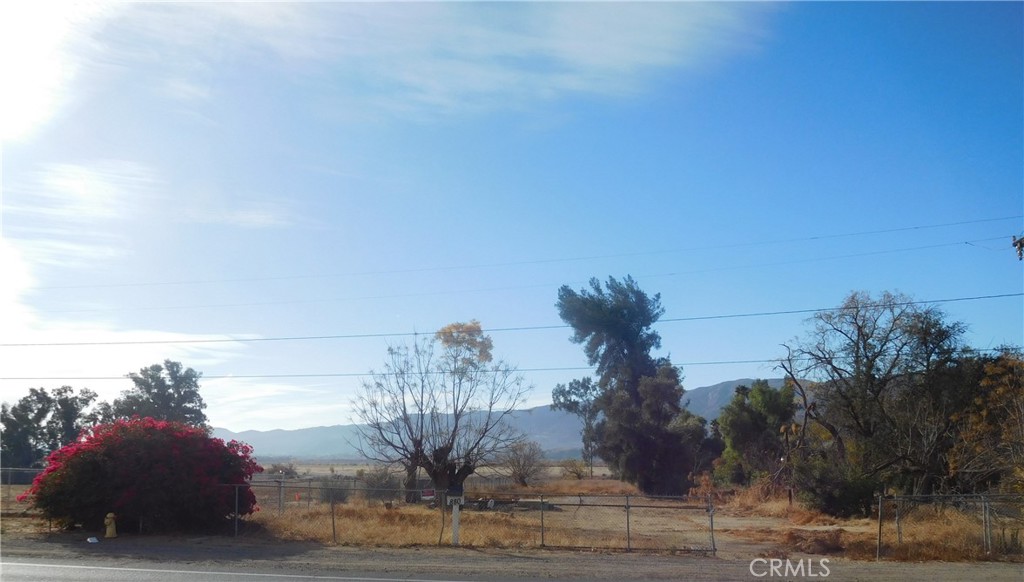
(38, 61)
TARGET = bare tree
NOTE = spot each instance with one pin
(855, 355)
(440, 405)
(523, 462)
(884, 375)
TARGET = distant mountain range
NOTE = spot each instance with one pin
(558, 433)
(709, 400)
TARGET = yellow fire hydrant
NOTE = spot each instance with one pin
(111, 524)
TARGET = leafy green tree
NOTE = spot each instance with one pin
(644, 434)
(754, 427)
(885, 379)
(837, 489)
(614, 325)
(943, 378)
(168, 392)
(68, 416)
(25, 442)
(579, 397)
(42, 422)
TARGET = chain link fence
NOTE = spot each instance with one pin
(14, 482)
(952, 526)
(340, 511)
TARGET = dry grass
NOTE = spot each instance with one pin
(360, 522)
(940, 534)
(23, 524)
(766, 502)
(9, 497)
(416, 525)
(930, 533)
(566, 487)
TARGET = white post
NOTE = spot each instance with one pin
(455, 523)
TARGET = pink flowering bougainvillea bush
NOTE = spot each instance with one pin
(155, 475)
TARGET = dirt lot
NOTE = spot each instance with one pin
(25, 538)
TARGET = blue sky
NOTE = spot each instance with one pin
(178, 172)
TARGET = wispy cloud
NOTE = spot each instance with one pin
(186, 90)
(430, 58)
(76, 213)
(67, 213)
(82, 216)
(46, 365)
(255, 401)
(240, 213)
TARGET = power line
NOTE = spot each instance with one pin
(490, 330)
(513, 287)
(537, 261)
(432, 373)
(372, 374)
(805, 311)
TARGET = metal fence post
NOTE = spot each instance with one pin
(711, 524)
(334, 528)
(629, 541)
(899, 526)
(542, 521)
(236, 510)
(986, 534)
(280, 497)
(878, 546)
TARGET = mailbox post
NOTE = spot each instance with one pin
(455, 499)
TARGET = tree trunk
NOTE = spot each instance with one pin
(412, 492)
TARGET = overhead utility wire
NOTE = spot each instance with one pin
(378, 374)
(512, 287)
(490, 330)
(535, 261)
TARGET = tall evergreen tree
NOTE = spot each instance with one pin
(644, 434)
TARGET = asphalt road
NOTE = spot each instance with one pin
(144, 571)
(67, 556)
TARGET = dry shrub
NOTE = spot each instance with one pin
(815, 541)
(819, 541)
(774, 553)
(755, 496)
(762, 499)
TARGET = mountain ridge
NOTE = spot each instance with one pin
(557, 432)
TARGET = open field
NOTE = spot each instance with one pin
(26, 539)
(552, 471)
(591, 515)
